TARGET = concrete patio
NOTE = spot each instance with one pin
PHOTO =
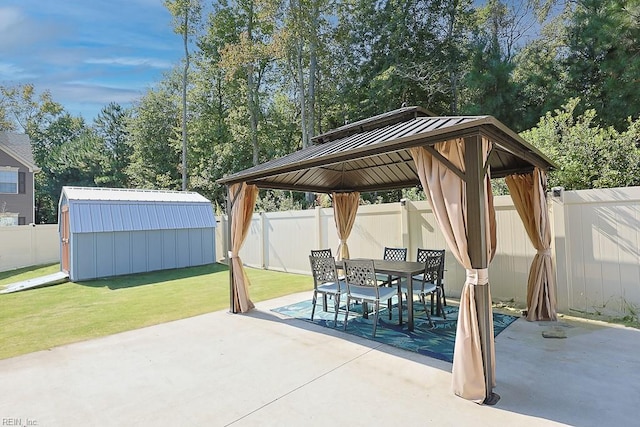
(260, 369)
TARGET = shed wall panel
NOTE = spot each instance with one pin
(154, 251)
(208, 245)
(195, 247)
(138, 251)
(169, 259)
(83, 262)
(105, 261)
(182, 246)
(122, 254)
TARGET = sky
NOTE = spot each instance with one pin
(87, 53)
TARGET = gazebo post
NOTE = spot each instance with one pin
(477, 245)
(232, 299)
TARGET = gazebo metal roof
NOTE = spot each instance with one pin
(373, 154)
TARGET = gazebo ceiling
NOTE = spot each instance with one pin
(373, 154)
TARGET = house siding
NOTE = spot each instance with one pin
(22, 204)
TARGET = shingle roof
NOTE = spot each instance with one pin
(18, 145)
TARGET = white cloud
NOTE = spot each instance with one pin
(87, 53)
(9, 17)
(131, 62)
(10, 71)
(95, 93)
(18, 30)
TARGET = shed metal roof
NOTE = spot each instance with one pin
(94, 210)
(375, 156)
(132, 195)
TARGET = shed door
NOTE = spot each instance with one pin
(64, 235)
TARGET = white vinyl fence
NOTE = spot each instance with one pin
(596, 238)
(25, 245)
(597, 250)
(596, 245)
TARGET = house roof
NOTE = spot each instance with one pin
(18, 146)
(93, 209)
(373, 154)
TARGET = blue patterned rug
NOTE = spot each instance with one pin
(437, 341)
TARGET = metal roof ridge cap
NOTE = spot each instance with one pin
(382, 118)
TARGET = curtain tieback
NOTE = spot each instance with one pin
(232, 256)
(478, 276)
(545, 252)
(343, 241)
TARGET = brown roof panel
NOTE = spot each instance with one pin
(379, 158)
(389, 118)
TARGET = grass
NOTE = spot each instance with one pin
(43, 318)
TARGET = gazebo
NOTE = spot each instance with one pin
(453, 158)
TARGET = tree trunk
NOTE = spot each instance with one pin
(252, 96)
(301, 95)
(313, 65)
(184, 100)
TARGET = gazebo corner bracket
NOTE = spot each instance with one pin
(453, 168)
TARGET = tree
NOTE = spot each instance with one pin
(186, 15)
(588, 50)
(111, 127)
(22, 109)
(155, 161)
(489, 81)
(603, 59)
(538, 74)
(64, 148)
(381, 54)
(248, 54)
(587, 155)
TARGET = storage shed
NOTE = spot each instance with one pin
(112, 231)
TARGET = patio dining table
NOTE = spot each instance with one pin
(406, 269)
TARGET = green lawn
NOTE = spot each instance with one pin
(42, 318)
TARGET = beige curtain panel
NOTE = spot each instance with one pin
(446, 192)
(528, 192)
(345, 208)
(241, 214)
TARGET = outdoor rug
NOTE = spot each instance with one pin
(435, 341)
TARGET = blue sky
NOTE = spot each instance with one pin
(87, 53)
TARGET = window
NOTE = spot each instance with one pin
(8, 180)
(22, 220)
